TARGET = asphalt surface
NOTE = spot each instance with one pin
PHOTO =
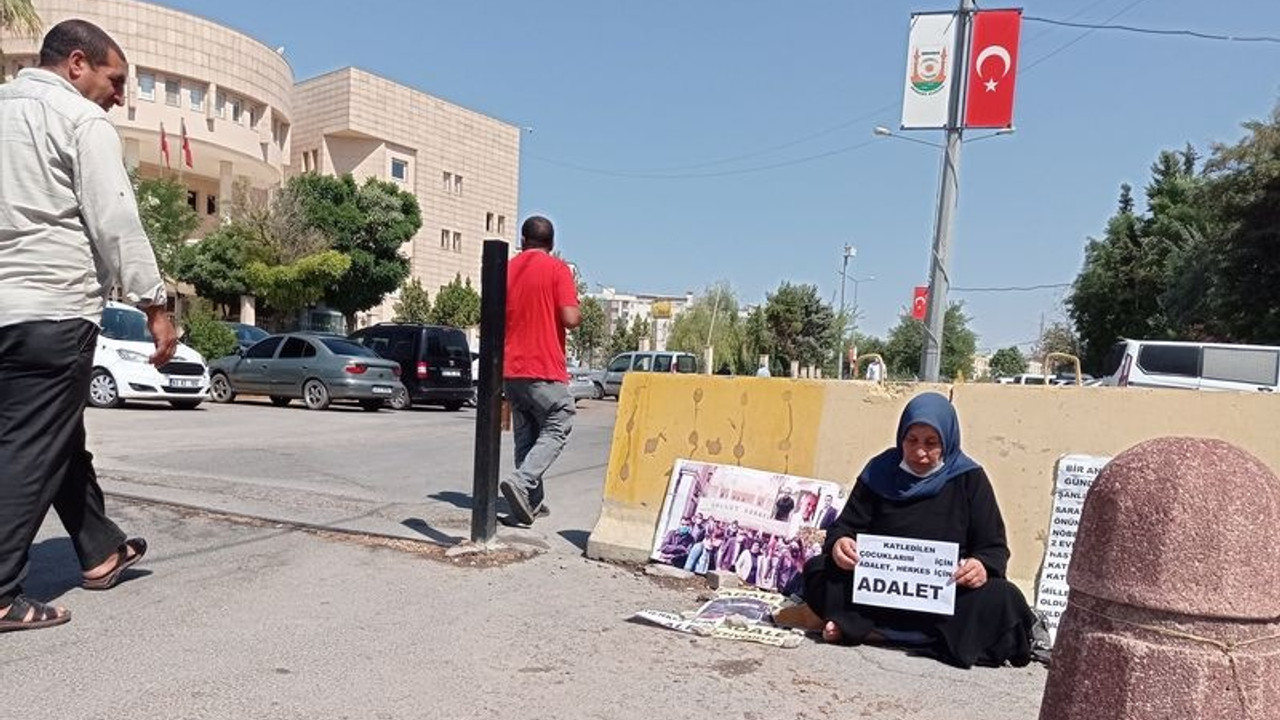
(231, 617)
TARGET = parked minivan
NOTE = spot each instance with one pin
(656, 361)
(435, 362)
(1193, 366)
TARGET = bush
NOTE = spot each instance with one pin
(206, 334)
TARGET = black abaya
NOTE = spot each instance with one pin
(991, 624)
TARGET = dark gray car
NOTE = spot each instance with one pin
(315, 368)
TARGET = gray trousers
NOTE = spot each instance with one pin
(541, 420)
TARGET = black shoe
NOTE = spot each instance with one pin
(518, 501)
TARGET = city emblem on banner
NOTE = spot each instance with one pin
(928, 69)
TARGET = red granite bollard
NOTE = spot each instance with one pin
(1174, 609)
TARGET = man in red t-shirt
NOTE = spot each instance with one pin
(542, 302)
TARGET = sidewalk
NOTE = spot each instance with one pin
(240, 621)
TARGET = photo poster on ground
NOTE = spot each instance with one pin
(760, 525)
(732, 614)
(906, 574)
(1073, 478)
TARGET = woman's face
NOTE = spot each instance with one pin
(922, 448)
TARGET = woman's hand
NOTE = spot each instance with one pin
(845, 553)
(971, 574)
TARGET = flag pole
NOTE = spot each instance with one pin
(939, 282)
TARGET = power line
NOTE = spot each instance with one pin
(1013, 288)
(1081, 36)
(1157, 31)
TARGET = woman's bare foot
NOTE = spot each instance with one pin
(798, 616)
(831, 633)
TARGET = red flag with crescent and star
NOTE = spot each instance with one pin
(920, 302)
(993, 66)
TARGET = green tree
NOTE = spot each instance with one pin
(801, 326)
(756, 341)
(19, 17)
(1007, 362)
(714, 315)
(287, 288)
(205, 333)
(369, 223)
(216, 265)
(905, 345)
(457, 304)
(167, 219)
(589, 336)
(414, 305)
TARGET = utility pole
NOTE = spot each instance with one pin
(935, 315)
(849, 251)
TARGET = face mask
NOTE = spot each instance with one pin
(907, 467)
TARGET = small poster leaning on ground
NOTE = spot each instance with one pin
(760, 525)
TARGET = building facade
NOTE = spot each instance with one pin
(658, 311)
(233, 102)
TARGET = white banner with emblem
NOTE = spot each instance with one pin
(931, 52)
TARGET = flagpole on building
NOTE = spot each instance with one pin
(939, 282)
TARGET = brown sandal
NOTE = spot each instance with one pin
(123, 562)
(42, 615)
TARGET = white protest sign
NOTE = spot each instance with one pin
(906, 574)
(1075, 475)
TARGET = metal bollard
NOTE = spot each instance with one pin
(493, 332)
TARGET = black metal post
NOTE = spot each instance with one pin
(493, 333)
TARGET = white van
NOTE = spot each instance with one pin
(122, 369)
(1193, 366)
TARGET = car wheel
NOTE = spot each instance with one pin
(280, 400)
(220, 389)
(315, 395)
(103, 392)
(453, 406)
(599, 393)
(371, 405)
(401, 400)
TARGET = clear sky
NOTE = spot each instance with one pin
(680, 143)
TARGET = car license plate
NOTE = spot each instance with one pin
(381, 390)
(184, 382)
(451, 373)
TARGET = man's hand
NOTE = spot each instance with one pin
(971, 574)
(845, 553)
(165, 334)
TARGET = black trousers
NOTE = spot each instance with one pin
(44, 382)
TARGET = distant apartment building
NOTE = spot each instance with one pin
(659, 311)
(232, 101)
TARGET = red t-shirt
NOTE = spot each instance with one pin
(538, 285)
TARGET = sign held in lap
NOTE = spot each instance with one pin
(906, 574)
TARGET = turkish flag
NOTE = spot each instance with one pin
(164, 145)
(186, 145)
(993, 66)
(920, 303)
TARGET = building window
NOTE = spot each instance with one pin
(448, 181)
(192, 199)
(502, 224)
(195, 97)
(146, 86)
(237, 110)
(220, 105)
(211, 204)
(444, 239)
(172, 92)
(488, 222)
(457, 242)
(457, 184)
(315, 160)
(400, 169)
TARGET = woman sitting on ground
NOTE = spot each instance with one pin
(925, 488)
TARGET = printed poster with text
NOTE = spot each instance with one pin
(1074, 477)
(906, 574)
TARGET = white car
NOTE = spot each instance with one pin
(121, 370)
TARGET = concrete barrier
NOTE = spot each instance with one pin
(828, 430)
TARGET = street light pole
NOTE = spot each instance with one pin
(939, 282)
(849, 251)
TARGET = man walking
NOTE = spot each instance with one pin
(69, 230)
(542, 303)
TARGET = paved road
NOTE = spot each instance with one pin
(229, 619)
